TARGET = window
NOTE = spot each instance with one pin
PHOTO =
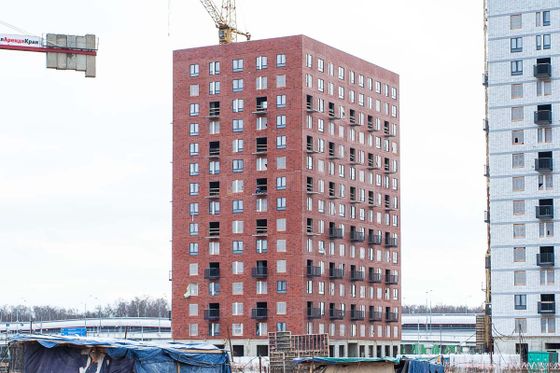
(320, 65)
(214, 167)
(515, 22)
(237, 186)
(237, 165)
(545, 182)
(193, 248)
(261, 205)
(237, 226)
(194, 90)
(237, 206)
(280, 121)
(544, 88)
(548, 325)
(261, 82)
(262, 246)
(281, 101)
(519, 254)
(547, 277)
(341, 73)
(214, 248)
(517, 160)
(237, 125)
(281, 203)
(237, 145)
(308, 60)
(214, 88)
(518, 183)
(280, 60)
(280, 81)
(261, 62)
(517, 67)
(281, 246)
(237, 309)
(192, 289)
(281, 142)
(520, 326)
(518, 230)
(237, 288)
(543, 18)
(193, 129)
(281, 183)
(517, 137)
(281, 308)
(542, 41)
(214, 68)
(194, 189)
(546, 229)
(237, 268)
(237, 105)
(193, 208)
(193, 169)
(519, 278)
(237, 65)
(262, 164)
(193, 309)
(520, 301)
(194, 110)
(281, 286)
(544, 135)
(214, 288)
(281, 225)
(280, 163)
(237, 247)
(281, 327)
(519, 207)
(516, 44)
(237, 85)
(517, 91)
(261, 287)
(194, 70)
(193, 149)
(516, 113)
(214, 127)
(261, 329)
(281, 266)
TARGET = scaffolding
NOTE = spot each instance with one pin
(285, 347)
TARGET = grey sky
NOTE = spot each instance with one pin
(85, 173)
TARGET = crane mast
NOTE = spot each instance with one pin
(225, 20)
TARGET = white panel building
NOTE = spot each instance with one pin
(523, 124)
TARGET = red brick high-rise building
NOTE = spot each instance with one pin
(285, 196)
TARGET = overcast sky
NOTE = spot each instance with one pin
(85, 172)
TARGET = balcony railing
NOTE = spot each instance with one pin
(212, 273)
(542, 70)
(336, 273)
(543, 117)
(375, 278)
(335, 314)
(391, 279)
(357, 276)
(391, 242)
(374, 239)
(259, 313)
(260, 110)
(313, 313)
(214, 193)
(313, 271)
(259, 272)
(356, 315)
(391, 317)
(261, 231)
(543, 164)
(214, 232)
(212, 314)
(544, 212)
(336, 233)
(548, 307)
(214, 112)
(375, 316)
(356, 236)
(545, 259)
(214, 152)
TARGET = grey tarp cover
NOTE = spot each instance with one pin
(56, 354)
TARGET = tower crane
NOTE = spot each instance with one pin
(225, 20)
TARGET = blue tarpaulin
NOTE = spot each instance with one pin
(56, 354)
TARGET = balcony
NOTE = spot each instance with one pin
(309, 108)
(542, 70)
(335, 314)
(486, 217)
(261, 231)
(212, 273)
(213, 193)
(312, 271)
(375, 278)
(391, 280)
(545, 259)
(259, 272)
(214, 233)
(259, 313)
(374, 239)
(544, 212)
(543, 117)
(214, 153)
(357, 276)
(391, 242)
(212, 314)
(485, 79)
(373, 166)
(356, 315)
(260, 110)
(261, 190)
(336, 273)
(391, 317)
(356, 236)
(214, 113)
(313, 313)
(336, 233)
(309, 189)
(543, 164)
(375, 316)
(548, 307)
